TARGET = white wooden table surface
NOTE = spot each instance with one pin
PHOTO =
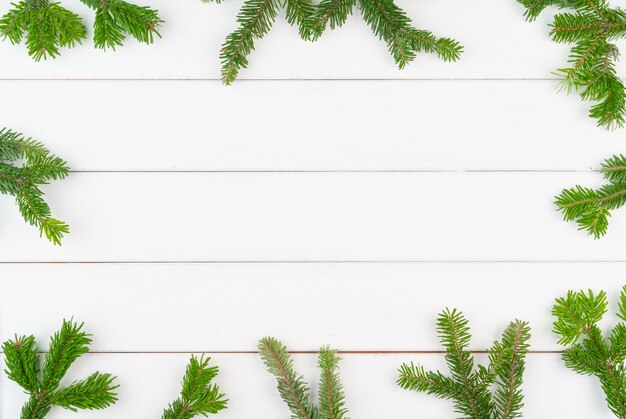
(325, 198)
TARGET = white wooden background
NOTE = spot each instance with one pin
(325, 198)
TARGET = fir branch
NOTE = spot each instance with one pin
(591, 26)
(294, 391)
(66, 345)
(332, 398)
(198, 396)
(95, 392)
(255, 20)
(391, 24)
(48, 27)
(614, 169)
(388, 22)
(291, 386)
(114, 18)
(299, 12)
(331, 13)
(472, 388)
(23, 182)
(590, 208)
(588, 352)
(22, 362)
(508, 398)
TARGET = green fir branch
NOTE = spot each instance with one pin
(587, 352)
(477, 392)
(42, 383)
(329, 13)
(255, 20)
(591, 208)
(591, 26)
(295, 392)
(24, 182)
(48, 26)
(387, 21)
(115, 18)
(198, 396)
(332, 399)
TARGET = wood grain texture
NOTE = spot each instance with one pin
(329, 126)
(150, 381)
(186, 217)
(352, 306)
(427, 187)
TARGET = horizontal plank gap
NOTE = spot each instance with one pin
(288, 79)
(372, 352)
(340, 171)
(279, 262)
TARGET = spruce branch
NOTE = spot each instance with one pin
(331, 13)
(198, 396)
(255, 20)
(42, 384)
(587, 351)
(114, 18)
(478, 392)
(387, 21)
(591, 26)
(48, 27)
(590, 208)
(23, 182)
(332, 398)
(295, 392)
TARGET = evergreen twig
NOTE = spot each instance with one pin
(198, 395)
(470, 386)
(587, 351)
(387, 21)
(295, 392)
(114, 18)
(23, 182)
(42, 383)
(49, 26)
(590, 208)
(592, 26)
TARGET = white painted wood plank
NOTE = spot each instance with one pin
(427, 125)
(355, 307)
(498, 44)
(311, 217)
(149, 382)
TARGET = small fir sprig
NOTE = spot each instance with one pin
(198, 396)
(47, 26)
(591, 208)
(295, 392)
(470, 386)
(387, 21)
(587, 351)
(43, 383)
(115, 18)
(593, 27)
(24, 181)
